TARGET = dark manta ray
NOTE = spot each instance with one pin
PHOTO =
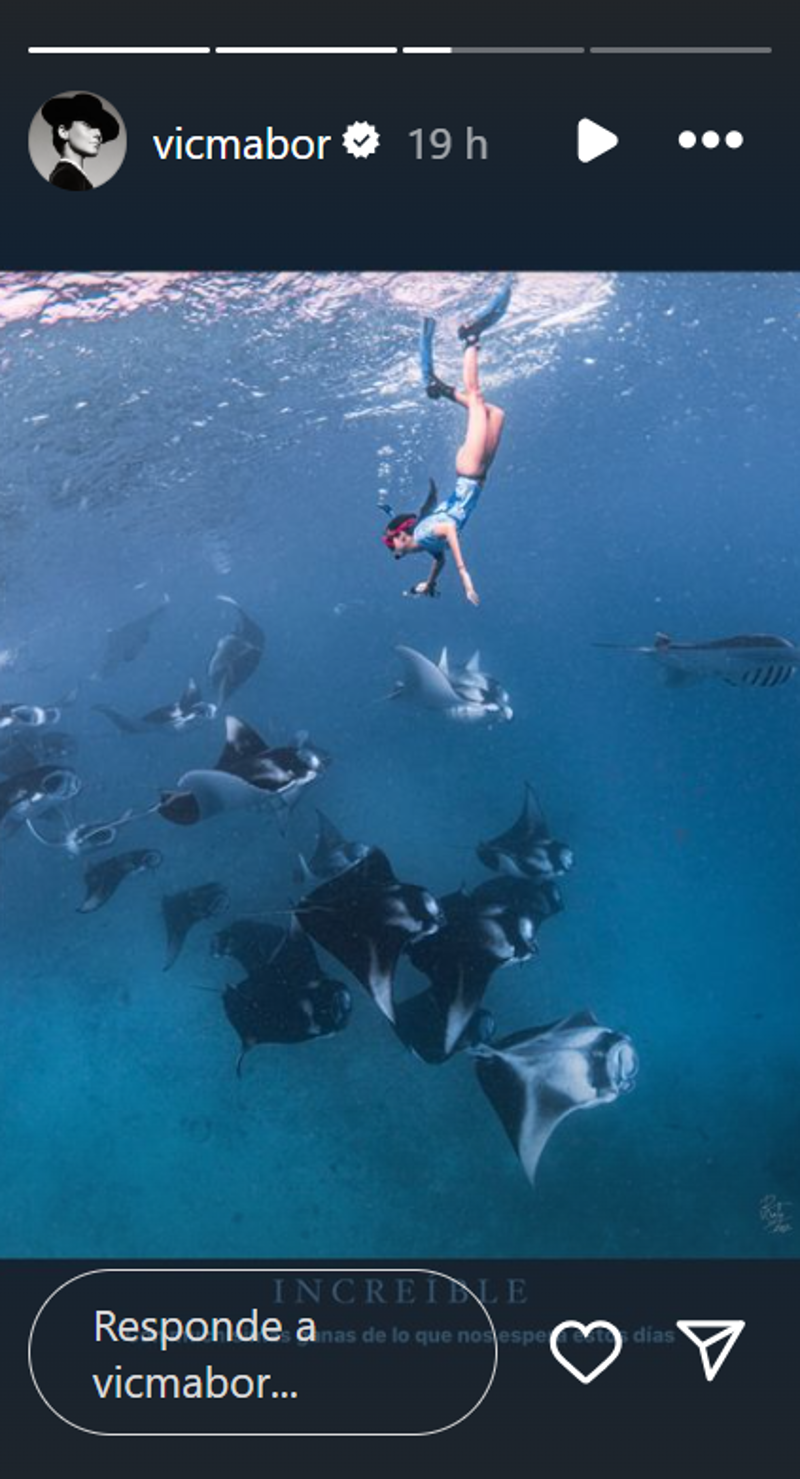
(332, 854)
(185, 713)
(182, 911)
(247, 774)
(103, 879)
(125, 643)
(34, 791)
(540, 898)
(480, 936)
(365, 918)
(747, 662)
(535, 1078)
(287, 999)
(527, 850)
(235, 657)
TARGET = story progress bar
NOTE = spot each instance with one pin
(406, 50)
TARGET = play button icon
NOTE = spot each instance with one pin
(594, 140)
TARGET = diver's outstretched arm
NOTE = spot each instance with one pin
(449, 532)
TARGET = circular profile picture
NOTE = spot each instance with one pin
(77, 141)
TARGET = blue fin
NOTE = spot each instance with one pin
(471, 333)
(434, 387)
(426, 349)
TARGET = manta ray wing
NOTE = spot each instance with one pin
(294, 963)
(191, 695)
(459, 969)
(123, 722)
(529, 827)
(242, 744)
(424, 682)
(215, 791)
(246, 628)
(253, 942)
(369, 952)
(346, 916)
(328, 838)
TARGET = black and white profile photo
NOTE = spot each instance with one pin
(77, 141)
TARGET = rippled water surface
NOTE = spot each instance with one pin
(194, 435)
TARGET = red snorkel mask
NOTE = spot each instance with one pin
(390, 535)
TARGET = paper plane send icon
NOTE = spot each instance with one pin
(594, 140)
(715, 1340)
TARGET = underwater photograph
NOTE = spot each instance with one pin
(399, 753)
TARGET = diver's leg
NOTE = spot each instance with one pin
(472, 455)
(484, 423)
(472, 384)
(494, 430)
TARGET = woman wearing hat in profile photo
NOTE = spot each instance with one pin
(81, 125)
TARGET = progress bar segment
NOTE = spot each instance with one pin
(519, 50)
(681, 50)
(305, 50)
(119, 50)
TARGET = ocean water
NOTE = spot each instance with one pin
(197, 435)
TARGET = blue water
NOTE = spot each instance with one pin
(198, 435)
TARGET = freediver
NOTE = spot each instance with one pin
(436, 529)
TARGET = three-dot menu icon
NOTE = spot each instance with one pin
(733, 139)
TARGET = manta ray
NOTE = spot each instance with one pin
(236, 656)
(528, 848)
(285, 997)
(365, 918)
(332, 855)
(467, 694)
(757, 661)
(535, 1078)
(104, 878)
(248, 774)
(124, 644)
(182, 911)
(183, 713)
(33, 792)
(480, 935)
(28, 716)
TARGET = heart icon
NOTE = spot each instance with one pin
(585, 1330)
